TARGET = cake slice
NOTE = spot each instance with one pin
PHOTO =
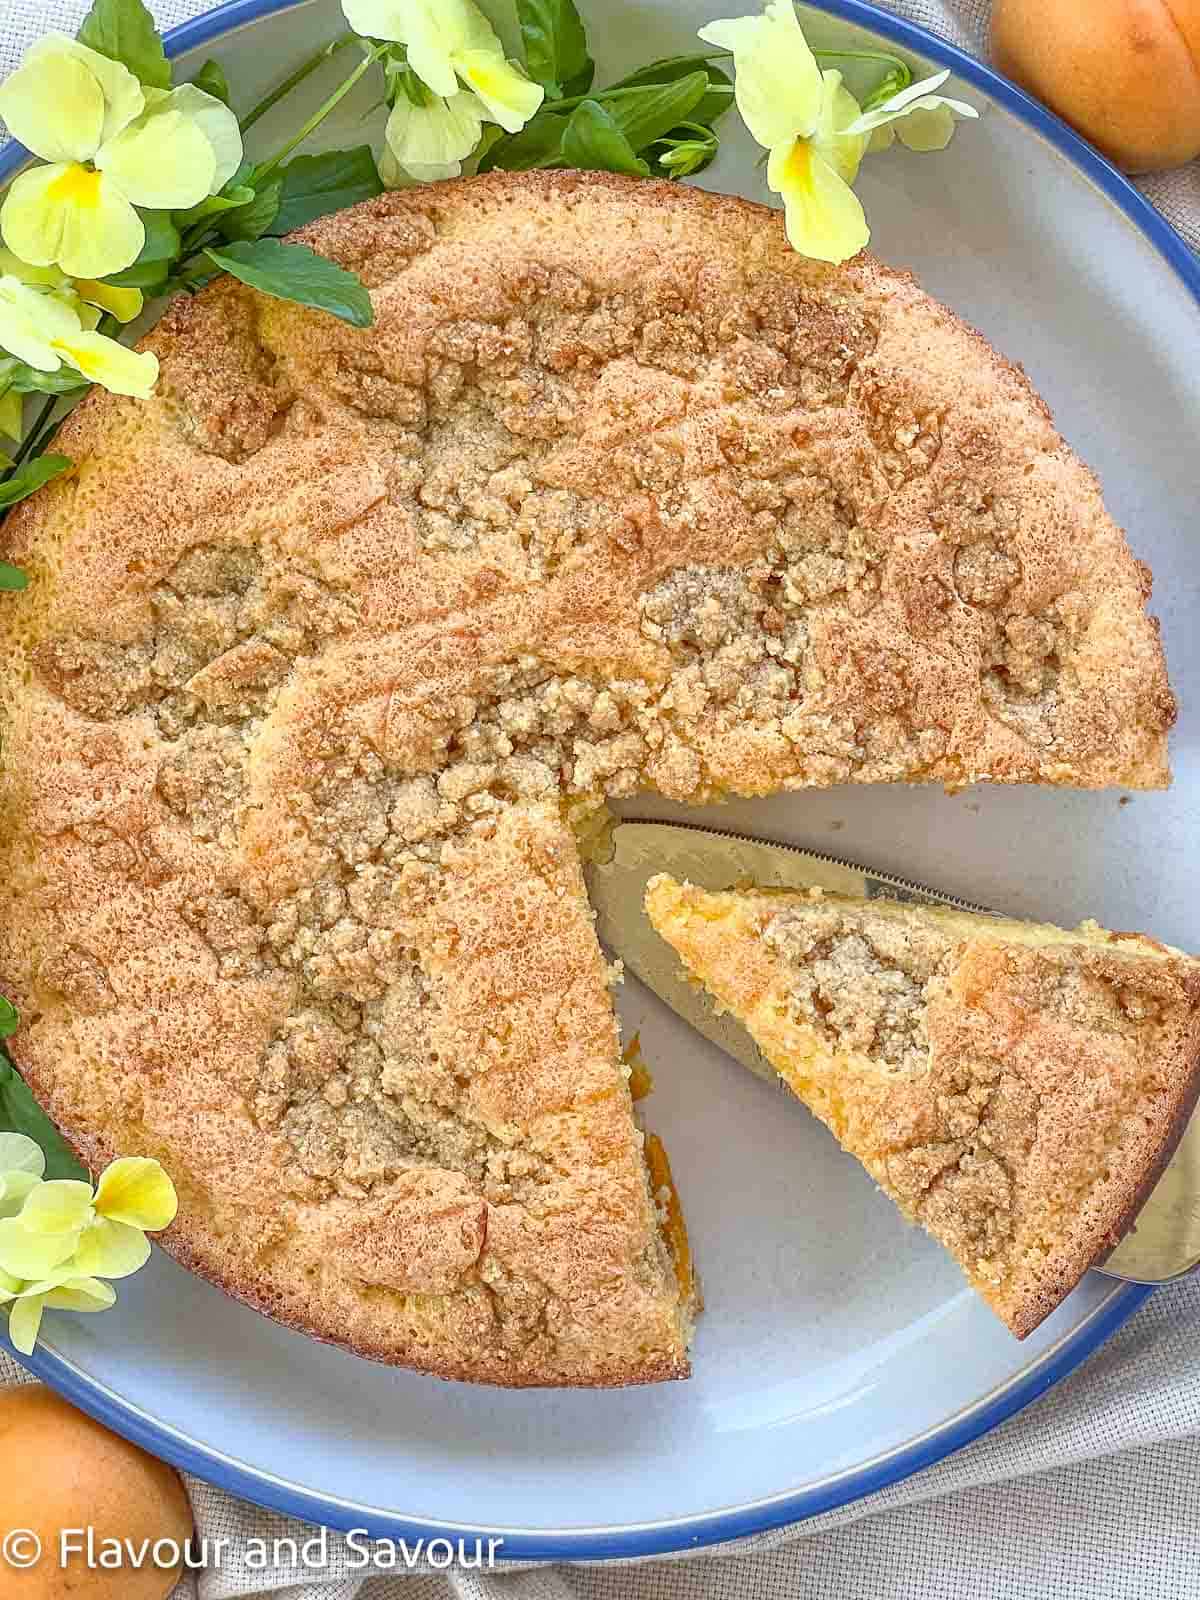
(1014, 1087)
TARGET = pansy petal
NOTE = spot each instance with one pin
(124, 98)
(11, 266)
(32, 1255)
(393, 176)
(831, 141)
(436, 32)
(16, 1187)
(111, 1250)
(74, 217)
(824, 217)
(90, 317)
(111, 364)
(19, 1153)
(777, 80)
(81, 1294)
(438, 135)
(926, 128)
(136, 1190)
(54, 107)
(464, 23)
(24, 1323)
(124, 304)
(23, 329)
(163, 161)
(509, 96)
(430, 39)
(373, 19)
(29, 320)
(214, 119)
(10, 1287)
(915, 91)
(916, 97)
(63, 1206)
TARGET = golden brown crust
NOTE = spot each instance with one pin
(1014, 1088)
(327, 640)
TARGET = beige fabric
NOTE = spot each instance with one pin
(1090, 1492)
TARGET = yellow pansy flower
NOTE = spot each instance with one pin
(58, 1238)
(451, 44)
(824, 216)
(111, 145)
(921, 118)
(803, 117)
(97, 1232)
(49, 329)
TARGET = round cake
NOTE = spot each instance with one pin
(333, 649)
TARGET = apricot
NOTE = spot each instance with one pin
(62, 1471)
(1124, 73)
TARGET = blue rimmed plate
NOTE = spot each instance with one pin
(839, 1350)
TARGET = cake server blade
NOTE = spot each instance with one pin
(1165, 1240)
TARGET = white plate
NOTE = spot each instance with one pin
(839, 1350)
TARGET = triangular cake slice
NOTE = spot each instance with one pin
(1014, 1087)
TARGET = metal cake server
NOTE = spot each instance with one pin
(1164, 1242)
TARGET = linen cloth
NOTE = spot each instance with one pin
(1092, 1491)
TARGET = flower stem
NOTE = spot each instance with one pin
(326, 53)
(28, 444)
(882, 56)
(593, 94)
(317, 118)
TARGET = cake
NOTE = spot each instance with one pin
(333, 647)
(1015, 1088)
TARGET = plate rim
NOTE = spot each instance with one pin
(674, 1535)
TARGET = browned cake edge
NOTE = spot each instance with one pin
(1183, 1067)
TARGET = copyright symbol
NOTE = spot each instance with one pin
(21, 1549)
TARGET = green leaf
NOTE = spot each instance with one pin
(594, 142)
(30, 477)
(715, 103)
(10, 1017)
(252, 220)
(147, 275)
(162, 237)
(580, 82)
(12, 578)
(23, 379)
(125, 31)
(556, 50)
(313, 186)
(645, 117)
(538, 144)
(230, 198)
(294, 272)
(211, 78)
(20, 1113)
